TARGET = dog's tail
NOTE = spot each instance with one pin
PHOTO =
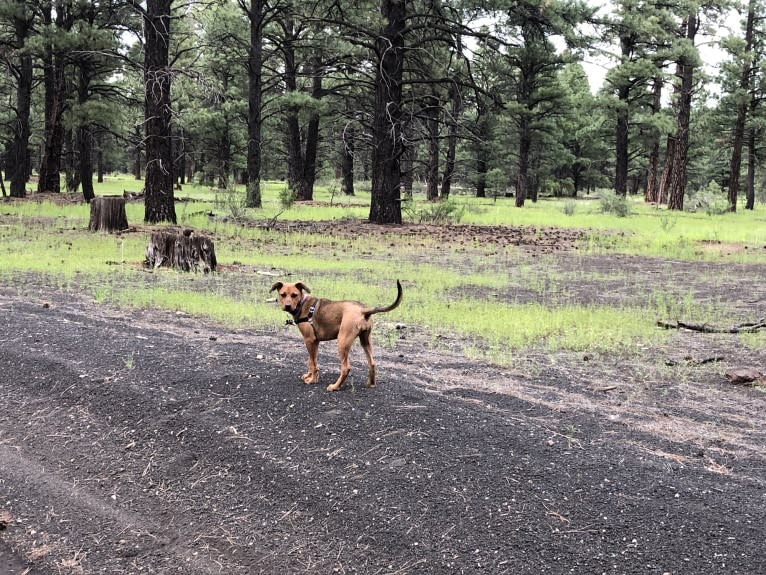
(369, 312)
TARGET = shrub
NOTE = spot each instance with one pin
(612, 203)
(286, 198)
(445, 212)
(712, 199)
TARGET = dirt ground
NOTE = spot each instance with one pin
(159, 443)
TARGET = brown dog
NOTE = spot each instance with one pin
(325, 320)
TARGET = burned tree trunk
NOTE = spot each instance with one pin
(179, 249)
(107, 213)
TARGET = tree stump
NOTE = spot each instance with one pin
(183, 250)
(107, 213)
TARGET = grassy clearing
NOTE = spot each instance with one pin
(471, 292)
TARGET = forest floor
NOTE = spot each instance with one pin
(152, 442)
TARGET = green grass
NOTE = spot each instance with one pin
(467, 291)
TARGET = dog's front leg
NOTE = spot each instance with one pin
(312, 375)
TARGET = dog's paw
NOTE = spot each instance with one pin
(310, 379)
(333, 387)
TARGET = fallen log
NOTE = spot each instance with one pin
(181, 249)
(107, 214)
(748, 327)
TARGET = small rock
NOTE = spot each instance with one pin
(744, 376)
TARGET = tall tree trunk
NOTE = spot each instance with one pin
(293, 132)
(385, 205)
(19, 156)
(685, 71)
(312, 134)
(137, 153)
(667, 171)
(86, 162)
(408, 164)
(224, 155)
(347, 162)
(159, 203)
(71, 161)
(735, 165)
(449, 162)
(525, 145)
(431, 112)
(751, 162)
(483, 137)
(84, 135)
(181, 157)
(254, 82)
(55, 83)
(651, 194)
(621, 144)
(100, 158)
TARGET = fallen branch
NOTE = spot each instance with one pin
(748, 327)
(688, 360)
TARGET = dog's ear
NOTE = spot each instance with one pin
(276, 286)
(301, 286)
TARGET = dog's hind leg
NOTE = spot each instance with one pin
(344, 349)
(365, 338)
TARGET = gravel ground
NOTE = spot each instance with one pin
(139, 442)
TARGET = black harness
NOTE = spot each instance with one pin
(309, 318)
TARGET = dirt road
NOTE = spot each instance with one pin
(132, 443)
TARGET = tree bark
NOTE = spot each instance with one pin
(312, 134)
(71, 167)
(385, 205)
(255, 15)
(183, 250)
(347, 162)
(525, 145)
(19, 156)
(752, 159)
(685, 72)
(159, 203)
(107, 214)
(735, 165)
(100, 158)
(84, 135)
(431, 113)
(621, 144)
(651, 193)
(483, 137)
(667, 171)
(449, 161)
(55, 104)
(293, 134)
(137, 153)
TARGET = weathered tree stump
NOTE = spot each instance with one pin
(107, 213)
(179, 249)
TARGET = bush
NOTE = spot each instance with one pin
(446, 212)
(612, 203)
(712, 199)
(286, 198)
(569, 207)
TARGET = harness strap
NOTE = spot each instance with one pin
(309, 318)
